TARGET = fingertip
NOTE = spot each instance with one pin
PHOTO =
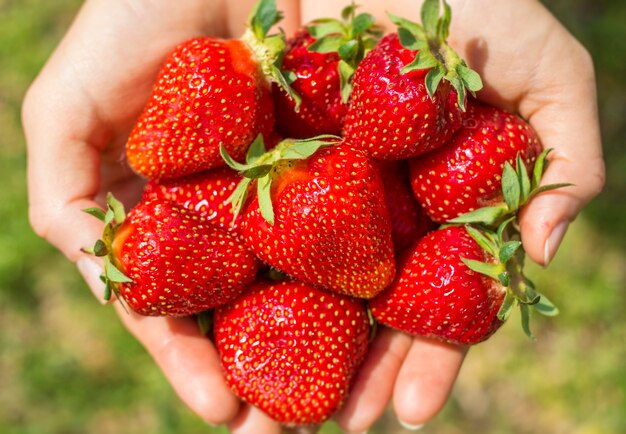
(425, 381)
(373, 386)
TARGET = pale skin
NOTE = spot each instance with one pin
(79, 110)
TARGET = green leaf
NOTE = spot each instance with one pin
(331, 27)
(523, 179)
(525, 316)
(113, 274)
(409, 27)
(303, 149)
(230, 162)
(510, 187)
(362, 23)
(96, 212)
(204, 320)
(283, 82)
(443, 25)
(539, 169)
(502, 228)
(119, 214)
(545, 307)
(548, 187)
(487, 269)
(257, 171)
(264, 15)
(433, 78)
(256, 149)
(471, 79)
(507, 306)
(107, 291)
(238, 197)
(430, 16)
(423, 60)
(348, 12)
(327, 44)
(265, 198)
(349, 50)
(483, 240)
(346, 72)
(458, 85)
(109, 217)
(507, 251)
(487, 215)
(100, 249)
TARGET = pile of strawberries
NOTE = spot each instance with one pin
(301, 190)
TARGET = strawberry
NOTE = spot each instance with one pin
(165, 260)
(210, 91)
(459, 283)
(322, 57)
(409, 90)
(204, 193)
(409, 222)
(435, 294)
(319, 215)
(292, 349)
(464, 175)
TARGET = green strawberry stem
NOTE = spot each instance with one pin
(262, 166)
(351, 38)
(496, 230)
(112, 218)
(434, 53)
(269, 49)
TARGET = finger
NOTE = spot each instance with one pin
(251, 420)
(373, 386)
(565, 116)
(188, 360)
(425, 380)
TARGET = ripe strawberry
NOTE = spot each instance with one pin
(320, 216)
(465, 174)
(459, 284)
(435, 294)
(322, 57)
(408, 97)
(165, 260)
(204, 193)
(210, 91)
(291, 349)
(409, 222)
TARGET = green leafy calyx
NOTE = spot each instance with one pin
(112, 217)
(269, 49)
(496, 230)
(351, 38)
(262, 166)
(429, 40)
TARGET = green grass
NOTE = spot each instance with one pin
(67, 365)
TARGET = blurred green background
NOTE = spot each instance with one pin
(67, 366)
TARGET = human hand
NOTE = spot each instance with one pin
(527, 60)
(77, 116)
(96, 83)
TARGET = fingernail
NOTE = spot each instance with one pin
(553, 242)
(91, 271)
(411, 427)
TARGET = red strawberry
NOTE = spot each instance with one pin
(322, 58)
(435, 294)
(465, 174)
(165, 260)
(204, 193)
(320, 216)
(409, 222)
(408, 100)
(291, 349)
(209, 92)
